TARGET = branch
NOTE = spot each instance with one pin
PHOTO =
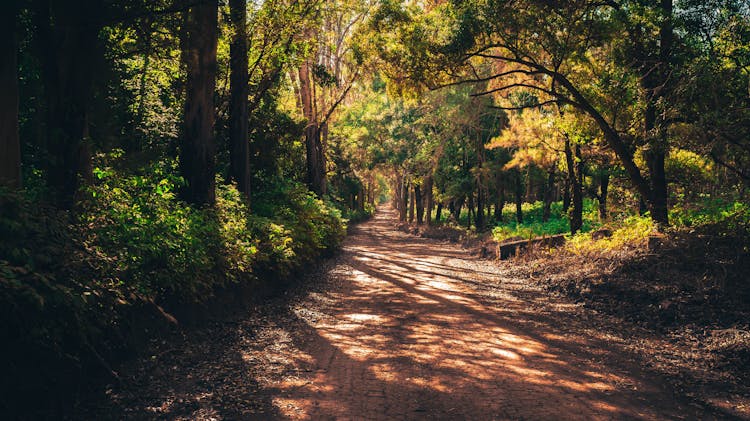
(525, 107)
(341, 98)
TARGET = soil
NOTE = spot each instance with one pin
(399, 327)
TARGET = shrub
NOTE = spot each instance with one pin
(68, 280)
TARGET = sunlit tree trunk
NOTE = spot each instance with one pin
(411, 207)
(316, 177)
(198, 148)
(238, 108)
(10, 144)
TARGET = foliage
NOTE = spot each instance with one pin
(68, 283)
(632, 231)
(533, 226)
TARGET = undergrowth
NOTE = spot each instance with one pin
(69, 280)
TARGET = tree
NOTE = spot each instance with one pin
(70, 52)
(239, 104)
(325, 79)
(197, 147)
(10, 143)
(523, 42)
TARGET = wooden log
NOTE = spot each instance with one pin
(514, 248)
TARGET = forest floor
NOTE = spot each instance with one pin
(401, 327)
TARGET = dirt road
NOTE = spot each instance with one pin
(399, 328)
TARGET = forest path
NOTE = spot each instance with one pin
(399, 328)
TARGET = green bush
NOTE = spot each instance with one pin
(533, 226)
(68, 279)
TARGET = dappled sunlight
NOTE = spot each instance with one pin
(401, 333)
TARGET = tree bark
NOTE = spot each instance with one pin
(238, 103)
(419, 202)
(479, 216)
(519, 196)
(603, 191)
(313, 142)
(68, 33)
(198, 148)
(411, 207)
(430, 199)
(500, 198)
(471, 210)
(576, 214)
(549, 193)
(10, 142)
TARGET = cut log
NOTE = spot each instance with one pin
(514, 248)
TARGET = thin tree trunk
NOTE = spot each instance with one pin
(519, 197)
(549, 193)
(471, 210)
(419, 204)
(576, 215)
(603, 190)
(479, 216)
(10, 142)
(457, 208)
(412, 201)
(238, 108)
(404, 200)
(198, 148)
(430, 199)
(499, 199)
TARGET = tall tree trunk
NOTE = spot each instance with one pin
(404, 200)
(10, 142)
(471, 210)
(198, 148)
(499, 198)
(419, 201)
(529, 185)
(576, 215)
(603, 190)
(549, 193)
(68, 32)
(479, 220)
(313, 142)
(430, 199)
(411, 207)
(519, 196)
(566, 194)
(654, 80)
(238, 102)
(438, 212)
(458, 205)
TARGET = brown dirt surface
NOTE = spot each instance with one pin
(398, 327)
